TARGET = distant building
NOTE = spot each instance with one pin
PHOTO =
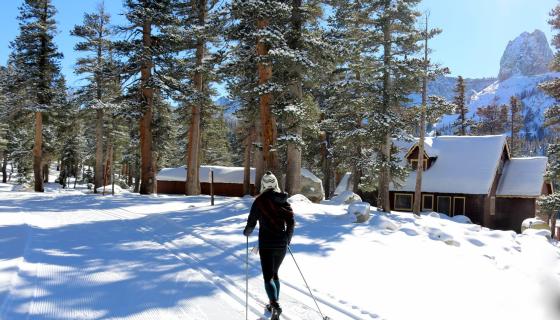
(473, 176)
(228, 181)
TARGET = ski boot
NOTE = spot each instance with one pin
(276, 311)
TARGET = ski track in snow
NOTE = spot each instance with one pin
(52, 275)
(290, 302)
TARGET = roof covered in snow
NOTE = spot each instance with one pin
(522, 177)
(464, 164)
(221, 174)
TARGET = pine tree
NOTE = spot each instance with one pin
(350, 91)
(551, 203)
(194, 37)
(462, 124)
(144, 49)
(251, 80)
(98, 67)
(515, 123)
(399, 37)
(37, 58)
(492, 119)
(295, 70)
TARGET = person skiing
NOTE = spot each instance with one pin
(276, 227)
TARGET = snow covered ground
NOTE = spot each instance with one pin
(70, 255)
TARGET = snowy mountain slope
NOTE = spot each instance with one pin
(523, 66)
(68, 255)
(524, 88)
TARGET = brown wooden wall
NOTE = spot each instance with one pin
(474, 204)
(510, 212)
(220, 189)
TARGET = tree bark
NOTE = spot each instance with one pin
(98, 174)
(4, 167)
(326, 164)
(385, 173)
(268, 122)
(38, 153)
(193, 166)
(422, 129)
(147, 183)
(247, 162)
(293, 165)
(553, 224)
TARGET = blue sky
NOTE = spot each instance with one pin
(475, 32)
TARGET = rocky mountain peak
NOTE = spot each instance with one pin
(528, 54)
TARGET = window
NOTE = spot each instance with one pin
(459, 205)
(492, 206)
(403, 201)
(444, 205)
(414, 163)
(428, 202)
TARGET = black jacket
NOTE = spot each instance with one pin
(276, 220)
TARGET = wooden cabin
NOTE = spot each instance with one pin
(228, 181)
(473, 176)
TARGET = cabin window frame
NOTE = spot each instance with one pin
(413, 161)
(450, 204)
(407, 195)
(423, 202)
(464, 205)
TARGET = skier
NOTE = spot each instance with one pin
(276, 227)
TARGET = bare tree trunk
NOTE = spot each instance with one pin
(268, 123)
(293, 166)
(98, 174)
(46, 171)
(385, 174)
(325, 162)
(137, 176)
(147, 183)
(38, 153)
(247, 163)
(553, 224)
(257, 156)
(422, 128)
(193, 167)
(5, 167)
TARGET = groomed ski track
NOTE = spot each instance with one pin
(94, 257)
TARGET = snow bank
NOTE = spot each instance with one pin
(538, 232)
(109, 189)
(382, 222)
(461, 219)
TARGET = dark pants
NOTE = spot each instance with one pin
(271, 259)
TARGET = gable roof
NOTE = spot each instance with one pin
(523, 177)
(464, 164)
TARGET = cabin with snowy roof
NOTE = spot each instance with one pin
(228, 181)
(474, 176)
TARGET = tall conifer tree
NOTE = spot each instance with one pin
(37, 58)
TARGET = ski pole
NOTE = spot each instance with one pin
(309, 289)
(247, 280)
